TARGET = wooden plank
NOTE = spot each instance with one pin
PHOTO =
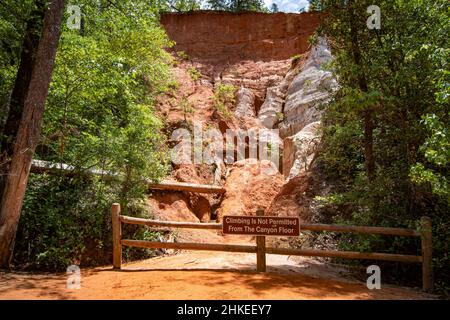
(117, 234)
(260, 248)
(189, 187)
(189, 246)
(305, 226)
(345, 255)
(427, 269)
(170, 224)
(360, 229)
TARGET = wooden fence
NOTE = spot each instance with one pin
(261, 250)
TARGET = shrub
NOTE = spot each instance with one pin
(182, 55)
(194, 73)
(224, 98)
(67, 220)
(99, 115)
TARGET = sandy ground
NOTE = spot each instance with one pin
(202, 275)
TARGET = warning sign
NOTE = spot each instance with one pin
(261, 226)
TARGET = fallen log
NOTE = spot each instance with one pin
(189, 187)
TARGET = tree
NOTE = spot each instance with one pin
(13, 22)
(218, 4)
(314, 5)
(386, 135)
(99, 114)
(437, 156)
(183, 5)
(351, 15)
(237, 5)
(22, 82)
(29, 129)
(369, 159)
(274, 8)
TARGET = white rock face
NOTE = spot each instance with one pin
(311, 88)
(293, 107)
(300, 149)
(245, 103)
(271, 109)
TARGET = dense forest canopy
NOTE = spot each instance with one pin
(180, 5)
(386, 139)
(98, 115)
(219, 5)
(236, 5)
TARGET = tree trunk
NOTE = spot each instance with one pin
(15, 109)
(27, 57)
(29, 130)
(369, 159)
(369, 125)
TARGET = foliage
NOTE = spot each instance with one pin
(280, 116)
(437, 152)
(186, 107)
(194, 73)
(224, 98)
(236, 5)
(183, 55)
(295, 60)
(13, 19)
(315, 5)
(99, 114)
(66, 220)
(434, 169)
(103, 87)
(274, 8)
(180, 5)
(393, 74)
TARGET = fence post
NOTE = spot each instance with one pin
(260, 248)
(427, 268)
(117, 235)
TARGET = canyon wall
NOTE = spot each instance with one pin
(279, 83)
(230, 37)
(270, 61)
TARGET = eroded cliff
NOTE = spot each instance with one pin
(278, 84)
(223, 37)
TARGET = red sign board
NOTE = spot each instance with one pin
(261, 226)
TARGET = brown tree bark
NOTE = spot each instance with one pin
(15, 108)
(27, 57)
(29, 130)
(369, 125)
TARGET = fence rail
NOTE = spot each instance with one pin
(261, 250)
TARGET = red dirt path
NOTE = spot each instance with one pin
(201, 275)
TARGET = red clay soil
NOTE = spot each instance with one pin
(230, 37)
(202, 275)
(250, 185)
(294, 198)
